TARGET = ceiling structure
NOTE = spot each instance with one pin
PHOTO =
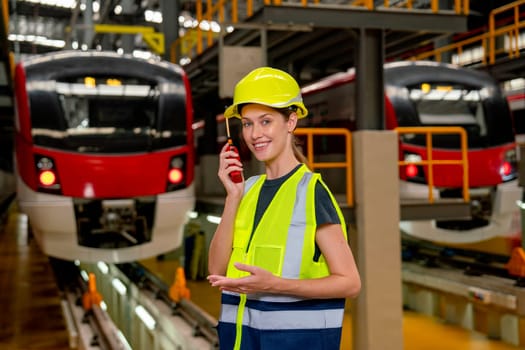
(309, 42)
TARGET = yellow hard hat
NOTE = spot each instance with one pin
(270, 87)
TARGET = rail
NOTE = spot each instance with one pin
(87, 323)
(140, 305)
(347, 164)
(430, 162)
(486, 41)
(230, 12)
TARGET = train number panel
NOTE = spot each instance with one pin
(104, 154)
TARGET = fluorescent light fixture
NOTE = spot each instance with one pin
(103, 267)
(193, 214)
(123, 340)
(213, 219)
(58, 3)
(38, 40)
(119, 286)
(84, 275)
(143, 54)
(153, 16)
(184, 61)
(145, 317)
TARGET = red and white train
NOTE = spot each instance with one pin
(104, 154)
(433, 94)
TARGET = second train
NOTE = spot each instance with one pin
(430, 94)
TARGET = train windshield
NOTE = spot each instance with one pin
(482, 113)
(106, 114)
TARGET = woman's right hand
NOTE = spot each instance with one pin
(228, 163)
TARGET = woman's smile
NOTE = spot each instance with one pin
(260, 146)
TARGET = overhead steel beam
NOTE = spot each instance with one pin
(337, 16)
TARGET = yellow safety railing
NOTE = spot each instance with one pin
(430, 162)
(227, 11)
(155, 40)
(347, 164)
(10, 55)
(486, 41)
(5, 15)
(512, 30)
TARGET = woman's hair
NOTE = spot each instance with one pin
(286, 112)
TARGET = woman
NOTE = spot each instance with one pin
(280, 254)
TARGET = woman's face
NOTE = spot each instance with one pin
(266, 131)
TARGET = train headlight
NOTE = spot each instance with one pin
(176, 173)
(507, 169)
(175, 176)
(47, 176)
(412, 170)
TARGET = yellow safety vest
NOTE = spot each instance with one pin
(283, 242)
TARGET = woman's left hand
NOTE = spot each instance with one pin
(259, 280)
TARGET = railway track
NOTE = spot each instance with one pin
(470, 262)
(90, 328)
(129, 308)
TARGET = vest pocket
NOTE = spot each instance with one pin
(268, 257)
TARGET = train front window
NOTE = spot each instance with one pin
(105, 114)
(482, 113)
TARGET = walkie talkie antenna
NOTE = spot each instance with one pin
(228, 132)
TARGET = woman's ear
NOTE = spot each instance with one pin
(292, 122)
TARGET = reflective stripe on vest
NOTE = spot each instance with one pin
(310, 314)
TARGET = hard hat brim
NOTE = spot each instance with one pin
(231, 111)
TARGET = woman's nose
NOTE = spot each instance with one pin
(256, 131)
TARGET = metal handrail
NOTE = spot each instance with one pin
(347, 164)
(487, 41)
(429, 131)
(513, 29)
(227, 12)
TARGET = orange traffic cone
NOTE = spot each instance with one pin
(178, 289)
(91, 296)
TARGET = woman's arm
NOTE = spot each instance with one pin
(221, 243)
(343, 281)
